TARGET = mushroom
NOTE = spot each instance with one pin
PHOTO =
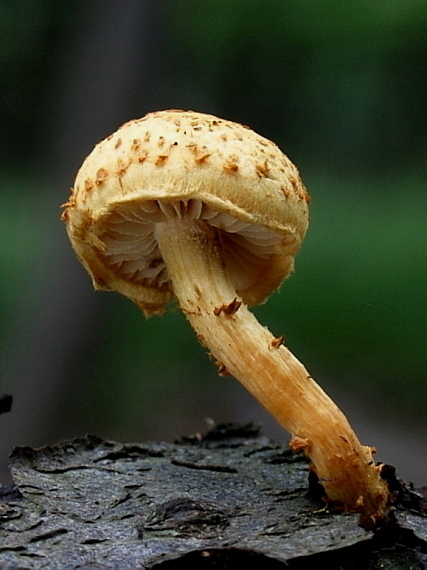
(184, 206)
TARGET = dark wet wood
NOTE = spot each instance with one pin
(220, 501)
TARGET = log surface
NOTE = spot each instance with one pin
(218, 501)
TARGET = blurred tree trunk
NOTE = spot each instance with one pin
(114, 50)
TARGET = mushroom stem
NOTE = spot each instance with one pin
(268, 370)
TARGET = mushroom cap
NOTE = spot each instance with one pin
(177, 163)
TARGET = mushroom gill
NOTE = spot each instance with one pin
(132, 253)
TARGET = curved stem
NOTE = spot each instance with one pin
(249, 352)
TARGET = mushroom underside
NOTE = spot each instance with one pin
(132, 253)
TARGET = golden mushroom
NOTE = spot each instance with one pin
(189, 207)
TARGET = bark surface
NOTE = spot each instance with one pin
(216, 501)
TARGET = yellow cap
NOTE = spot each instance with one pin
(177, 163)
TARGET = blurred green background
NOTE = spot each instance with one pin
(341, 87)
